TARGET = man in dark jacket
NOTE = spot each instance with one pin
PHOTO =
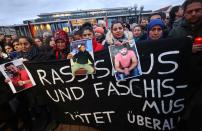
(191, 26)
(81, 60)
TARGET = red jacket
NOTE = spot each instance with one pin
(97, 46)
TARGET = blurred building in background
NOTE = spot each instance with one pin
(69, 20)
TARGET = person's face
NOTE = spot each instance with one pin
(71, 39)
(94, 27)
(8, 49)
(12, 69)
(118, 30)
(38, 42)
(125, 28)
(52, 39)
(193, 12)
(137, 32)
(166, 21)
(155, 33)
(14, 37)
(144, 22)
(97, 34)
(60, 44)
(82, 48)
(87, 34)
(2, 37)
(155, 17)
(45, 37)
(17, 46)
(8, 39)
(77, 37)
(124, 51)
(179, 13)
(26, 46)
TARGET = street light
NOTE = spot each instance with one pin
(135, 9)
(140, 14)
(130, 11)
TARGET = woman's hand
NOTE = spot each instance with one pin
(196, 48)
(69, 56)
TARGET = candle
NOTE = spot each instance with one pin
(198, 40)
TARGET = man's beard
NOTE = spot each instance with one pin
(123, 54)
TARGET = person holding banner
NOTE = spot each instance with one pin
(8, 105)
(155, 29)
(88, 33)
(29, 50)
(117, 35)
(61, 47)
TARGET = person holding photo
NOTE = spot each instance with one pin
(125, 62)
(88, 33)
(118, 36)
(20, 78)
(81, 60)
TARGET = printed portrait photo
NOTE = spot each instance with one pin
(17, 75)
(82, 61)
(125, 61)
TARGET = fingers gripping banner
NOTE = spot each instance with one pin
(155, 100)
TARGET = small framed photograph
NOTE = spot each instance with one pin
(82, 61)
(125, 61)
(17, 75)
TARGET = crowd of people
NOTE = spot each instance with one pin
(18, 113)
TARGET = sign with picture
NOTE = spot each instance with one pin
(82, 61)
(17, 75)
(125, 61)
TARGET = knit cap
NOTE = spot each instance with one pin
(99, 30)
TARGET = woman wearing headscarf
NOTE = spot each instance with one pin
(56, 47)
(62, 45)
(155, 29)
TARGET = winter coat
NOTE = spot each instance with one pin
(97, 46)
(194, 101)
(110, 39)
(183, 29)
(31, 54)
